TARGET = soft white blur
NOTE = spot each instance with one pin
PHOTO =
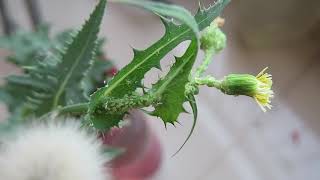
(234, 139)
(57, 150)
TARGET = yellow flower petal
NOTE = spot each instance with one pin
(264, 92)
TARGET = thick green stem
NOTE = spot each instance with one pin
(193, 86)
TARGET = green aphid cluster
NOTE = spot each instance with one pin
(124, 104)
(213, 38)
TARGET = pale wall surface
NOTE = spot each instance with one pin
(234, 139)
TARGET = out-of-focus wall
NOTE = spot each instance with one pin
(234, 139)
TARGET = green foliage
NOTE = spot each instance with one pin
(171, 89)
(193, 104)
(76, 62)
(63, 74)
(129, 78)
(59, 76)
(162, 9)
(96, 77)
(25, 45)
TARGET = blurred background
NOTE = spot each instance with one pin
(234, 139)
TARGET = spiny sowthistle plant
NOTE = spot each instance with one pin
(58, 78)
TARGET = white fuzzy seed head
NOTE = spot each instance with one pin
(58, 150)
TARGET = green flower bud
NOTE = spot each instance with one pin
(239, 84)
(213, 38)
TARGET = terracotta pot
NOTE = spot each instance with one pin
(142, 156)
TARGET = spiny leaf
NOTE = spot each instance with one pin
(171, 89)
(14, 95)
(25, 45)
(27, 81)
(131, 75)
(163, 9)
(193, 104)
(78, 57)
(56, 78)
(129, 78)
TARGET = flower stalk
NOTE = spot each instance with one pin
(213, 40)
(257, 87)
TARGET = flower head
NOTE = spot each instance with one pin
(257, 87)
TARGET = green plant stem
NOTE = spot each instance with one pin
(209, 81)
(76, 108)
(192, 88)
(206, 62)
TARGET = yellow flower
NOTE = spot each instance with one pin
(257, 87)
(264, 92)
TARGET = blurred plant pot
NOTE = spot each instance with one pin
(142, 149)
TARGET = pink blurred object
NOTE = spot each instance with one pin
(296, 137)
(143, 153)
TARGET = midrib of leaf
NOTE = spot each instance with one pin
(110, 88)
(65, 81)
(93, 31)
(171, 89)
